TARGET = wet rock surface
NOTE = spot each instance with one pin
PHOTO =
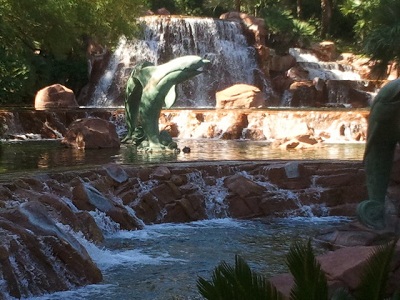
(41, 215)
(91, 133)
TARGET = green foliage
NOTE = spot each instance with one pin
(14, 76)
(287, 31)
(182, 7)
(44, 42)
(376, 29)
(191, 7)
(362, 12)
(241, 283)
(237, 283)
(310, 282)
(375, 274)
(382, 42)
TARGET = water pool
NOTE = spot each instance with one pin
(50, 155)
(163, 262)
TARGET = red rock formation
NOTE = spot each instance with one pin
(32, 206)
(55, 96)
(240, 96)
(91, 133)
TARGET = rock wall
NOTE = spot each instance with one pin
(254, 124)
(266, 124)
(40, 213)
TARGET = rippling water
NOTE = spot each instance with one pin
(44, 155)
(163, 262)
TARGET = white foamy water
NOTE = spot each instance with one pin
(220, 41)
(164, 261)
(320, 69)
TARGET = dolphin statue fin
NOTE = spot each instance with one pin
(170, 98)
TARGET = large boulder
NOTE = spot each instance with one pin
(240, 96)
(91, 133)
(55, 96)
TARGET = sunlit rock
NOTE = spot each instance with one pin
(305, 141)
(55, 96)
(237, 124)
(325, 51)
(240, 96)
(91, 133)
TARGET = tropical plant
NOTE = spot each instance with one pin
(44, 42)
(310, 282)
(377, 31)
(237, 283)
(382, 42)
(240, 282)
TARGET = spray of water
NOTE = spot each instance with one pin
(214, 195)
(220, 41)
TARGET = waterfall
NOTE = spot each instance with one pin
(164, 38)
(323, 70)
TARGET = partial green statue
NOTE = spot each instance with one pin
(382, 137)
(149, 89)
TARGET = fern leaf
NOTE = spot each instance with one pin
(237, 283)
(309, 280)
(375, 273)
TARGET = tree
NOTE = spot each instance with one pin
(40, 38)
(377, 29)
(382, 42)
(326, 9)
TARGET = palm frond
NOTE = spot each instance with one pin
(342, 294)
(376, 272)
(237, 283)
(309, 280)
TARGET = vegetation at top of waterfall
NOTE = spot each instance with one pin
(45, 42)
(382, 42)
(310, 283)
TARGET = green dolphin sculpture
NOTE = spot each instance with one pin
(382, 136)
(149, 89)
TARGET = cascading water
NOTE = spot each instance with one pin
(322, 70)
(164, 38)
(86, 217)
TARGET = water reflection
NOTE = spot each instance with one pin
(44, 155)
